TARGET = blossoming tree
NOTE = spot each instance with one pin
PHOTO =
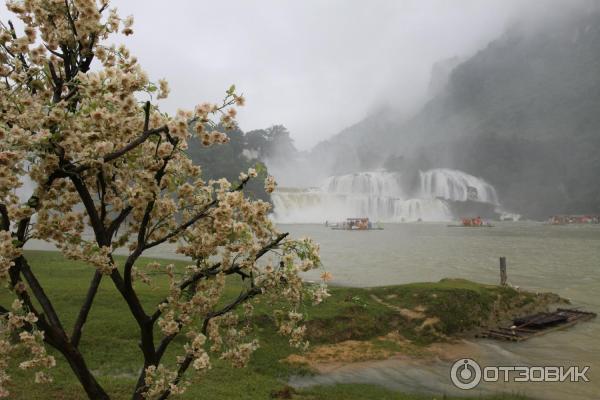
(109, 171)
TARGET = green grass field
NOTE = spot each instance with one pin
(110, 336)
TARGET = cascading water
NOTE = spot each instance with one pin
(456, 185)
(380, 197)
(377, 184)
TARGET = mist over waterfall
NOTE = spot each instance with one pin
(381, 196)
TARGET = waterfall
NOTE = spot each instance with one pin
(377, 184)
(456, 185)
(380, 196)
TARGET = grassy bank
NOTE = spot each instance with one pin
(384, 320)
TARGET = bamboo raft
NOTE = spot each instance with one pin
(538, 324)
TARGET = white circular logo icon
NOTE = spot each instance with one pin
(465, 374)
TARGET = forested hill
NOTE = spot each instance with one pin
(244, 150)
(523, 113)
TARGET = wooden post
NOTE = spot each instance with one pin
(503, 271)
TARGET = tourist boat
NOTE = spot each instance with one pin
(354, 224)
(472, 223)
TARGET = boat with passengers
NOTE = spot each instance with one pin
(355, 224)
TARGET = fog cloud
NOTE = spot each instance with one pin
(314, 66)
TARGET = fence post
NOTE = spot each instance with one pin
(503, 271)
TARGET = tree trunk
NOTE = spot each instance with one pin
(140, 386)
(90, 385)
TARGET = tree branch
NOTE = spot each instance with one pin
(116, 223)
(90, 207)
(141, 239)
(41, 324)
(146, 116)
(40, 295)
(214, 270)
(85, 308)
(229, 307)
(130, 146)
(133, 144)
(71, 22)
(5, 226)
(129, 295)
(244, 296)
(101, 189)
(58, 83)
(194, 219)
(137, 310)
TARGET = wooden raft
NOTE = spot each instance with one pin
(538, 324)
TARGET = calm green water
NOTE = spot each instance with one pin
(561, 259)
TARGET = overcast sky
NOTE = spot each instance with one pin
(315, 66)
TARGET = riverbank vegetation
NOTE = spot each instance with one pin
(380, 322)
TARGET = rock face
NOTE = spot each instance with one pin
(523, 114)
(440, 75)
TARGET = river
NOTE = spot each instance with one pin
(560, 259)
